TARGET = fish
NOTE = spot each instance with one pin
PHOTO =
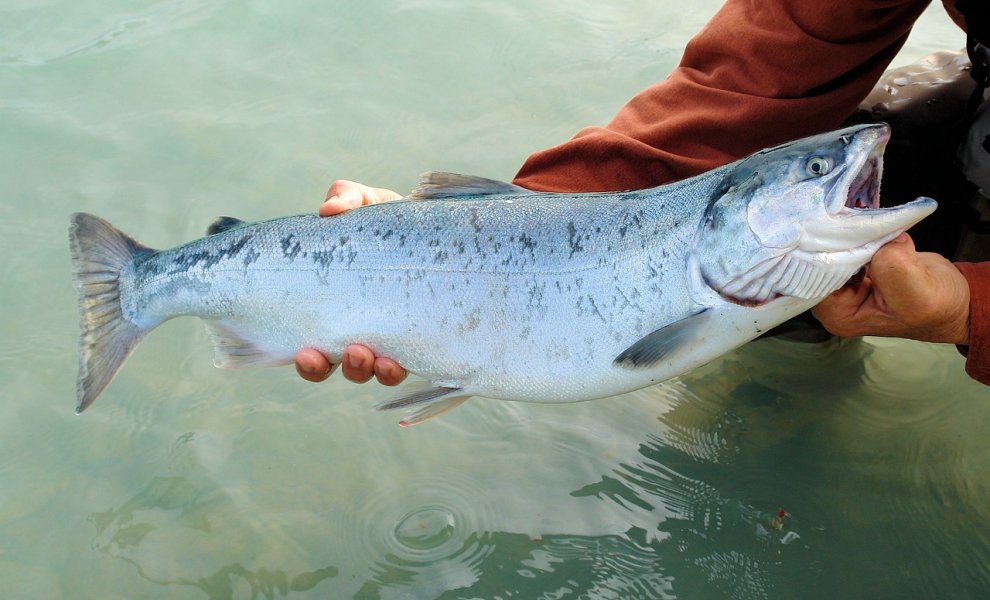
(484, 288)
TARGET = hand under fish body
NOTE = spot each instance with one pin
(483, 288)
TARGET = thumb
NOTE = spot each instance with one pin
(344, 195)
(897, 275)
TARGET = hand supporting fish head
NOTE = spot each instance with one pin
(800, 219)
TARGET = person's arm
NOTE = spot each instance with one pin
(977, 348)
(758, 74)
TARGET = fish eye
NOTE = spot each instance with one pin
(818, 166)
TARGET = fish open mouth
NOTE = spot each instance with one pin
(856, 222)
(862, 181)
(864, 191)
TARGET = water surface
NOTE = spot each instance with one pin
(188, 482)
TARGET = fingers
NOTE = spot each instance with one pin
(908, 294)
(897, 272)
(389, 372)
(360, 364)
(837, 313)
(313, 366)
(344, 195)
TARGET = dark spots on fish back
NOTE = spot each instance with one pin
(291, 247)
(251, 256)
(574, 239)
(207, 257)
(324, 258)
(528, 245)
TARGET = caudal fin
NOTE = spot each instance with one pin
(99, 253)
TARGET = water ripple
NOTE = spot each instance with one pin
(42, 41)
(430, 538)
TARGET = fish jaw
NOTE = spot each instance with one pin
(853, 220)
(864, 230)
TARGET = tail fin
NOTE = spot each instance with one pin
(99, 253)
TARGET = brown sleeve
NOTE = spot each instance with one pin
(761, 72)
(978, 351)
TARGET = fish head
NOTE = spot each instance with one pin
(801, 218)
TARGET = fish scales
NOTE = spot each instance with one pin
(483, 288)
(437, 281)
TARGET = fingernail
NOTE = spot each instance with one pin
(317, 371)
(354, 360)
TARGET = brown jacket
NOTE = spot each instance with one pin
(761, 72)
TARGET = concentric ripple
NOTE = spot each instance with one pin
(429, 537)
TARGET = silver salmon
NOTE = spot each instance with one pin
(483, 288)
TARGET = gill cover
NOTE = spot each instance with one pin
(781, 227)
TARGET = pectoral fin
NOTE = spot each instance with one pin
(663, 342)
(434, 398)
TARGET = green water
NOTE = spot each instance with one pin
(184, 481)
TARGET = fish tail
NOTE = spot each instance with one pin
(99, 254)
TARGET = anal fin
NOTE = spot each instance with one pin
(433, 398)
(434, 409)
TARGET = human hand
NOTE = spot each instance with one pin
(344, 195)
(359, 365)
(905, 293)
(359, 362)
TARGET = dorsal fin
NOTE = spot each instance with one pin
(221, 224)
(438, 184)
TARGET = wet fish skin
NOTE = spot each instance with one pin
(484, 288)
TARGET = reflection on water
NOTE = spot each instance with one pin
(766, 474)
(172, 515)
(853, 469)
